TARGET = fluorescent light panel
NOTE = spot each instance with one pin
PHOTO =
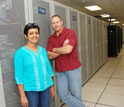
(111, 19)
(105, 15)
(116, 22)
(93, 8)
(123, 24)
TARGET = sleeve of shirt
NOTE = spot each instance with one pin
(18, 67)
(72, 38)
(50, 45)
(49, 68)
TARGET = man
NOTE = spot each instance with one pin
(62, 46)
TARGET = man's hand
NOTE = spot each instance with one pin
(52, 55)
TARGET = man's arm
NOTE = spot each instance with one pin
(52, 55)
(63, 50)
(66, 49)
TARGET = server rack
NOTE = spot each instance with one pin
(119, 38)
(82, 34)
(112, 41)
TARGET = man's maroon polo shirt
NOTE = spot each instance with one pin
(68, 61)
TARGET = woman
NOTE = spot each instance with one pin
(33, 71)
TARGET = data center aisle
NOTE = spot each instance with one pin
(106, 87)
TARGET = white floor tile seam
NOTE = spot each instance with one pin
(100, 92)
(119, 82)
(117, 94)
(113, 100)
(107, 68)
(90, 86)
(120, 69)
(115, 84)
(95, 104)
(88, 101)
(103, 105)
(114, 90)
(117, 78)
(99, 80)
(107, 82)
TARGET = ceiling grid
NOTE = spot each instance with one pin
(113, 7)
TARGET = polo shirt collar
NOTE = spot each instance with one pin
(60, 33)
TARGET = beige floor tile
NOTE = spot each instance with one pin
(88, 104)
(112, 100)
(91, 96)
(106, 70)
(98, 105)
(113, 61)
(92, 91)
(118, 75)
(97, 87)
(103, 75)
(99, 80)
(117, 82)
(112, 75)
(115, 90)
(120, 67)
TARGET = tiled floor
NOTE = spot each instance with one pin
(106, 87)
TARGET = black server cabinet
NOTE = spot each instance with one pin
(119, 38)
(112, 41)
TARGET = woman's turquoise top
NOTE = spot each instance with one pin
(33, 70)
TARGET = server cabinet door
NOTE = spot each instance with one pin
(61, 11)
(12, 20)
(41, 16)
(98, 39)
(101, 44)
(95, 45)
(74, 23)
(89, 46)
(83, 46)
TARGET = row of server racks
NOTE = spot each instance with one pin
(14, 14)
(114, 40)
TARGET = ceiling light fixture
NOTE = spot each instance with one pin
(83, 1)
(111, 19)
(123, 24)
(105, 15)
(93, 8)
(116, 22)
